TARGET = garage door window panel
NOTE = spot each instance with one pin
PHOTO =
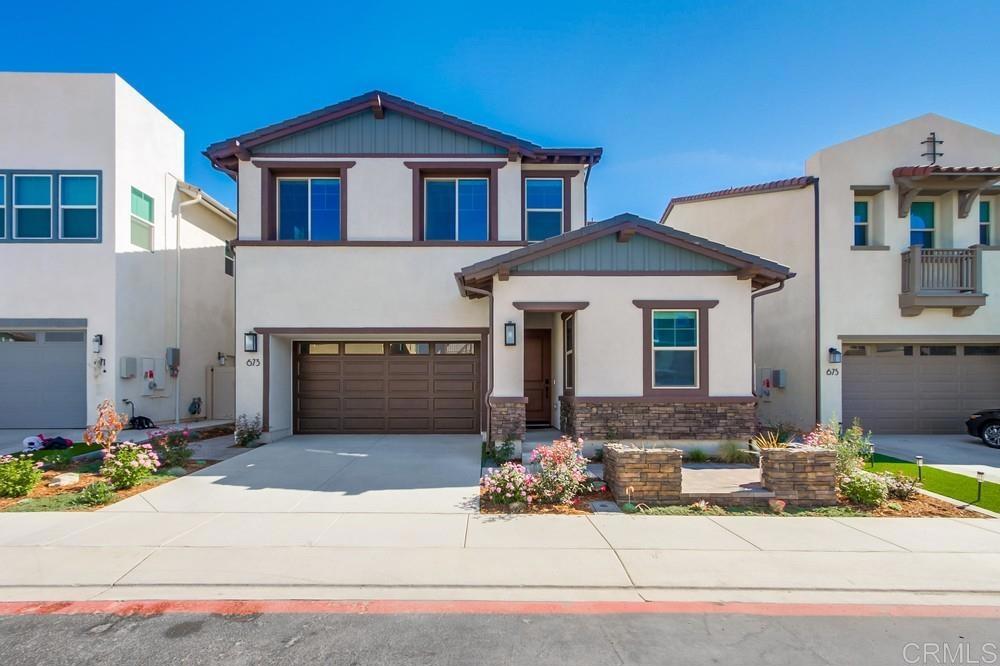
(17, 336)
(364, 348)
(981, 350)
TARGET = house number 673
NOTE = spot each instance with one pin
(833, 371)
(253, 362)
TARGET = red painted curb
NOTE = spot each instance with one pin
(390, 607)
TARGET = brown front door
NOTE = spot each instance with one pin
(537, 374)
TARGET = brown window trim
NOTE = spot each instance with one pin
(647, 345)
(567, 389)
(567, 178)
(271, 170)
(422, 170)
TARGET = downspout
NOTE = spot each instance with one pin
(489, 386)
(177, 296)
(753, 329)
(586, 180)
(816, 297)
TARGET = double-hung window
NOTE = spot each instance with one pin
(32, 206)
(675, 349)
(985, 221)
(569, 357)
(3, 206)
(861, 226)
(78, 207)
(922, 223)
(142, 220)
(456, 209)
(309, 209)
(230, 259)
(543, 208)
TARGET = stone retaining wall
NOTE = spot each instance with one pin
(653, 474)
(507, 418)
(639, 419)
(800, 476)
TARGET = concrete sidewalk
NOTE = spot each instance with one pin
(108, 555)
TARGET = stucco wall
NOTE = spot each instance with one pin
(778, 226)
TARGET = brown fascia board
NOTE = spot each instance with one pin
(797, 183)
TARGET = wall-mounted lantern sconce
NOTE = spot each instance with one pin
(510, 334)
(250, 342)
(96, 343)
(836, 356)
(222, 358)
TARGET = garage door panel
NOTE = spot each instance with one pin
(388, 393)
(43, 384)
(919, 393)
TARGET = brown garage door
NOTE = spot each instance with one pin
(899, 388)
(392, 387)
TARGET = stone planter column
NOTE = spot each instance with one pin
(507, 417)
(653, 474)
(800, 476)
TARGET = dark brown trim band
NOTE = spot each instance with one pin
(551, 306)
(518, 273)
(377, 243)
(662, 399)
(384, 330)
(422, 170)
(567, 178)
(669, 394)
(303, 165)
(501, 400)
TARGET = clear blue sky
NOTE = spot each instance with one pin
(683, 96)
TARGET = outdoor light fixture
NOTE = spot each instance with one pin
(836, 356)
(920, 468)
(222, 358)
(510, 334)
(979, 485)
(96, 342)
(250, 342)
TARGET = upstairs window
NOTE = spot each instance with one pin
(309, 209)
(230, 259)
(861, 226)
(32, 206)
(456, 209)
(3, 206)
(78, 207)
(142, 220)
(543, 208)
(675, 348)
(922, 223)
(985, 222)
(569, 347)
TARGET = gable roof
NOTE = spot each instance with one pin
(796, 183)
(762, 271)
(224, 153)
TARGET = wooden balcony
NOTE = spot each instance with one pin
(941, 278)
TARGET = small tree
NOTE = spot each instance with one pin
(107, 428)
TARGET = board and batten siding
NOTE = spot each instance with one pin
(362, 133)
(607, 254)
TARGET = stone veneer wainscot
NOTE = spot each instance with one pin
(507, 417)
(642, 419)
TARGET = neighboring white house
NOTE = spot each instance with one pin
(91, 192)
(894, 317)
(403, 270)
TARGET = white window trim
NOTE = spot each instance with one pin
(456, 179)
(653, 349)
(309, 199)
(561, 209)
(17, 207)
(94, 207)
(136, 218)
(933, 230)
(867, 224)
(569, 355)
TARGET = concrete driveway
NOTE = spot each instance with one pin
(331, 474)
(961, 454)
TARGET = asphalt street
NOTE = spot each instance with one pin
(456, 638)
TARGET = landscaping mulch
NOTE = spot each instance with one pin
(922, 506)
(579, 507)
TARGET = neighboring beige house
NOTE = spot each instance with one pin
(894, 317)
(95, 294)
(402, 270)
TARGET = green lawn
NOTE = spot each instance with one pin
(949, 484)
(75, 450)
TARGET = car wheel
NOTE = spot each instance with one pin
(991, 434)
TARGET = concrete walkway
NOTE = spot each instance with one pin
(961, 454)
(150, 555)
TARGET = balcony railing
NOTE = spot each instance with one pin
(933, 277)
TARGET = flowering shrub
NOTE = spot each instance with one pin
(97, 493)
(109, 425)
(776, 505)
(852, 446)
(864, 488)
(248, 430)
(171, 447)
(127, 464)
(562, 470)
(509, 484)
(18, 475)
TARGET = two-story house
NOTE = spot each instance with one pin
(402, 270)
(109, 262)
(894, 317)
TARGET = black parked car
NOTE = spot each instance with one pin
(985, 425)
